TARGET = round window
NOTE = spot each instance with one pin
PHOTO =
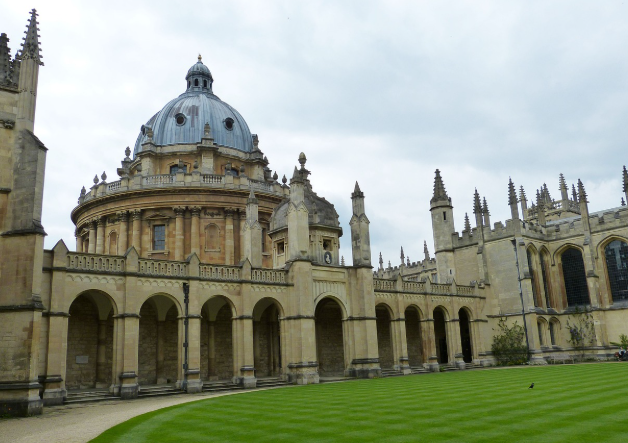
(180, 119)
(229, 123)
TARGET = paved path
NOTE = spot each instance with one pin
(83, 422)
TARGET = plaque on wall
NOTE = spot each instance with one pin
(327, 257)
(82, 359)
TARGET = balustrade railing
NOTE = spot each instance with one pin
(212, 179)
(268, 276)
(114, 186)
(160, 179)
(410, 286)
(465, 290)
(262, 186)
(90, 262)
(163, 268)
(212, 272)
(384, 285)
(439, 288)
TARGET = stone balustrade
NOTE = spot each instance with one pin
(162, 268)
(268, 276)
(91, 262)
(194, 179)
(426, 287)
(215, 272)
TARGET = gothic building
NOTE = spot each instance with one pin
(198, 268)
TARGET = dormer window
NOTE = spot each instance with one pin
(180, 119)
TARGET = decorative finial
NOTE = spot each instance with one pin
(440, 194)
(512, 195)
(342, 260)
(522, 194)
(623, 202)
(103, 176)
(200, 59)
(485, 206)
(207, 130)
(381, 261)
(127, 152)
(302, 160)
(84, 191)
(195, 166)
(96, 179)
(275, 176)
(477, 205)
(402, 255)
(284, 180)
(467, 223)
(582, 195)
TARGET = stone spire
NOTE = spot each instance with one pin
(426, 251)
(584, 209)
(524, 203)
(381, 262)
(6, 68)
(574, 194)
(625, 180)
(582, 195)
(467, 224)
(486, 213)
(402, 256)
(512, 200)
(477, 209)
(360, 236)
(30, 46)
(29, 61)
(440, 194)
(540, 206)
(562, 187)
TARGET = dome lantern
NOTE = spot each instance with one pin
(199, 78)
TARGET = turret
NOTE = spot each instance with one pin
(252, 232)
(360, 237)
(443, 230)
(29, 61)
(298, 228)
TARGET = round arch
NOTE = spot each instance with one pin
(441, 317)
(542, 327)
(466, 335)
(329, 328)
(331, 296)
(267, 337)
(217, 351)
(414, 336)
(217, 301)
(89, 341)
(614, 250)
(385, 344)
(170, 297)
(414, 307)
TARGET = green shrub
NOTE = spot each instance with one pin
(509, 346)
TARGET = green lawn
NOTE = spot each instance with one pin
(570, 403)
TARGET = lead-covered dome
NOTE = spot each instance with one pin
(183, 119)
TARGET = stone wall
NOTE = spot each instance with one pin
(330, 347)
(413, 338)
(171, 347)
(220, 367)
(154, 368)
(384, 339)
(82, 368)
(147, 353)
(266, 343)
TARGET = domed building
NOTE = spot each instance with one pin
(198, 270)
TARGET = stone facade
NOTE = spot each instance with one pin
(199, 265)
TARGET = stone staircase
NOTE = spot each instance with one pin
(220, 386)
(419, 370)
(391, 373)
(268, 382)
(158, 391)
(88, 395)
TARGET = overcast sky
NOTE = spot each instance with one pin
(382, 92)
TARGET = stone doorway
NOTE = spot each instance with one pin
(89, 358)
(465, 335)
(159, 358)
(267, 339)
(329, 339)
(384, 337)
(413, 337)
(217, 340)
(440, 336)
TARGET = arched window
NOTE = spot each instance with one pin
(545, 273)
(616, 253)
(575, 278)
(541, 331)
(196, 82)
(212, 237)
(204, 83)
(552, 330)
(532, 268)
(113, 243)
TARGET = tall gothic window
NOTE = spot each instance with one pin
(616, 253)
(552, 330)
(159, 237)
(575, 278)
(535, 291)
(546, 282)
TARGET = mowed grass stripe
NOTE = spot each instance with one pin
(575, 403)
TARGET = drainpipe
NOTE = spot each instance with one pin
(186, 301)
(523, 308)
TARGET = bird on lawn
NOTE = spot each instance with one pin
(531, 386)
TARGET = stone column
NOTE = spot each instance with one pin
(243, 342)
(211, 363)
(100, 236)
(91, 246)
(229, 243)
(129, 387)
(124, 232)
(195, 236)
(194, 382)
(79, 240)
(429, 344)
(137, 229)
(101, 359)
(160, 351)
(455, 343)
(400, 345)
(54, 382)
(179, 235)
